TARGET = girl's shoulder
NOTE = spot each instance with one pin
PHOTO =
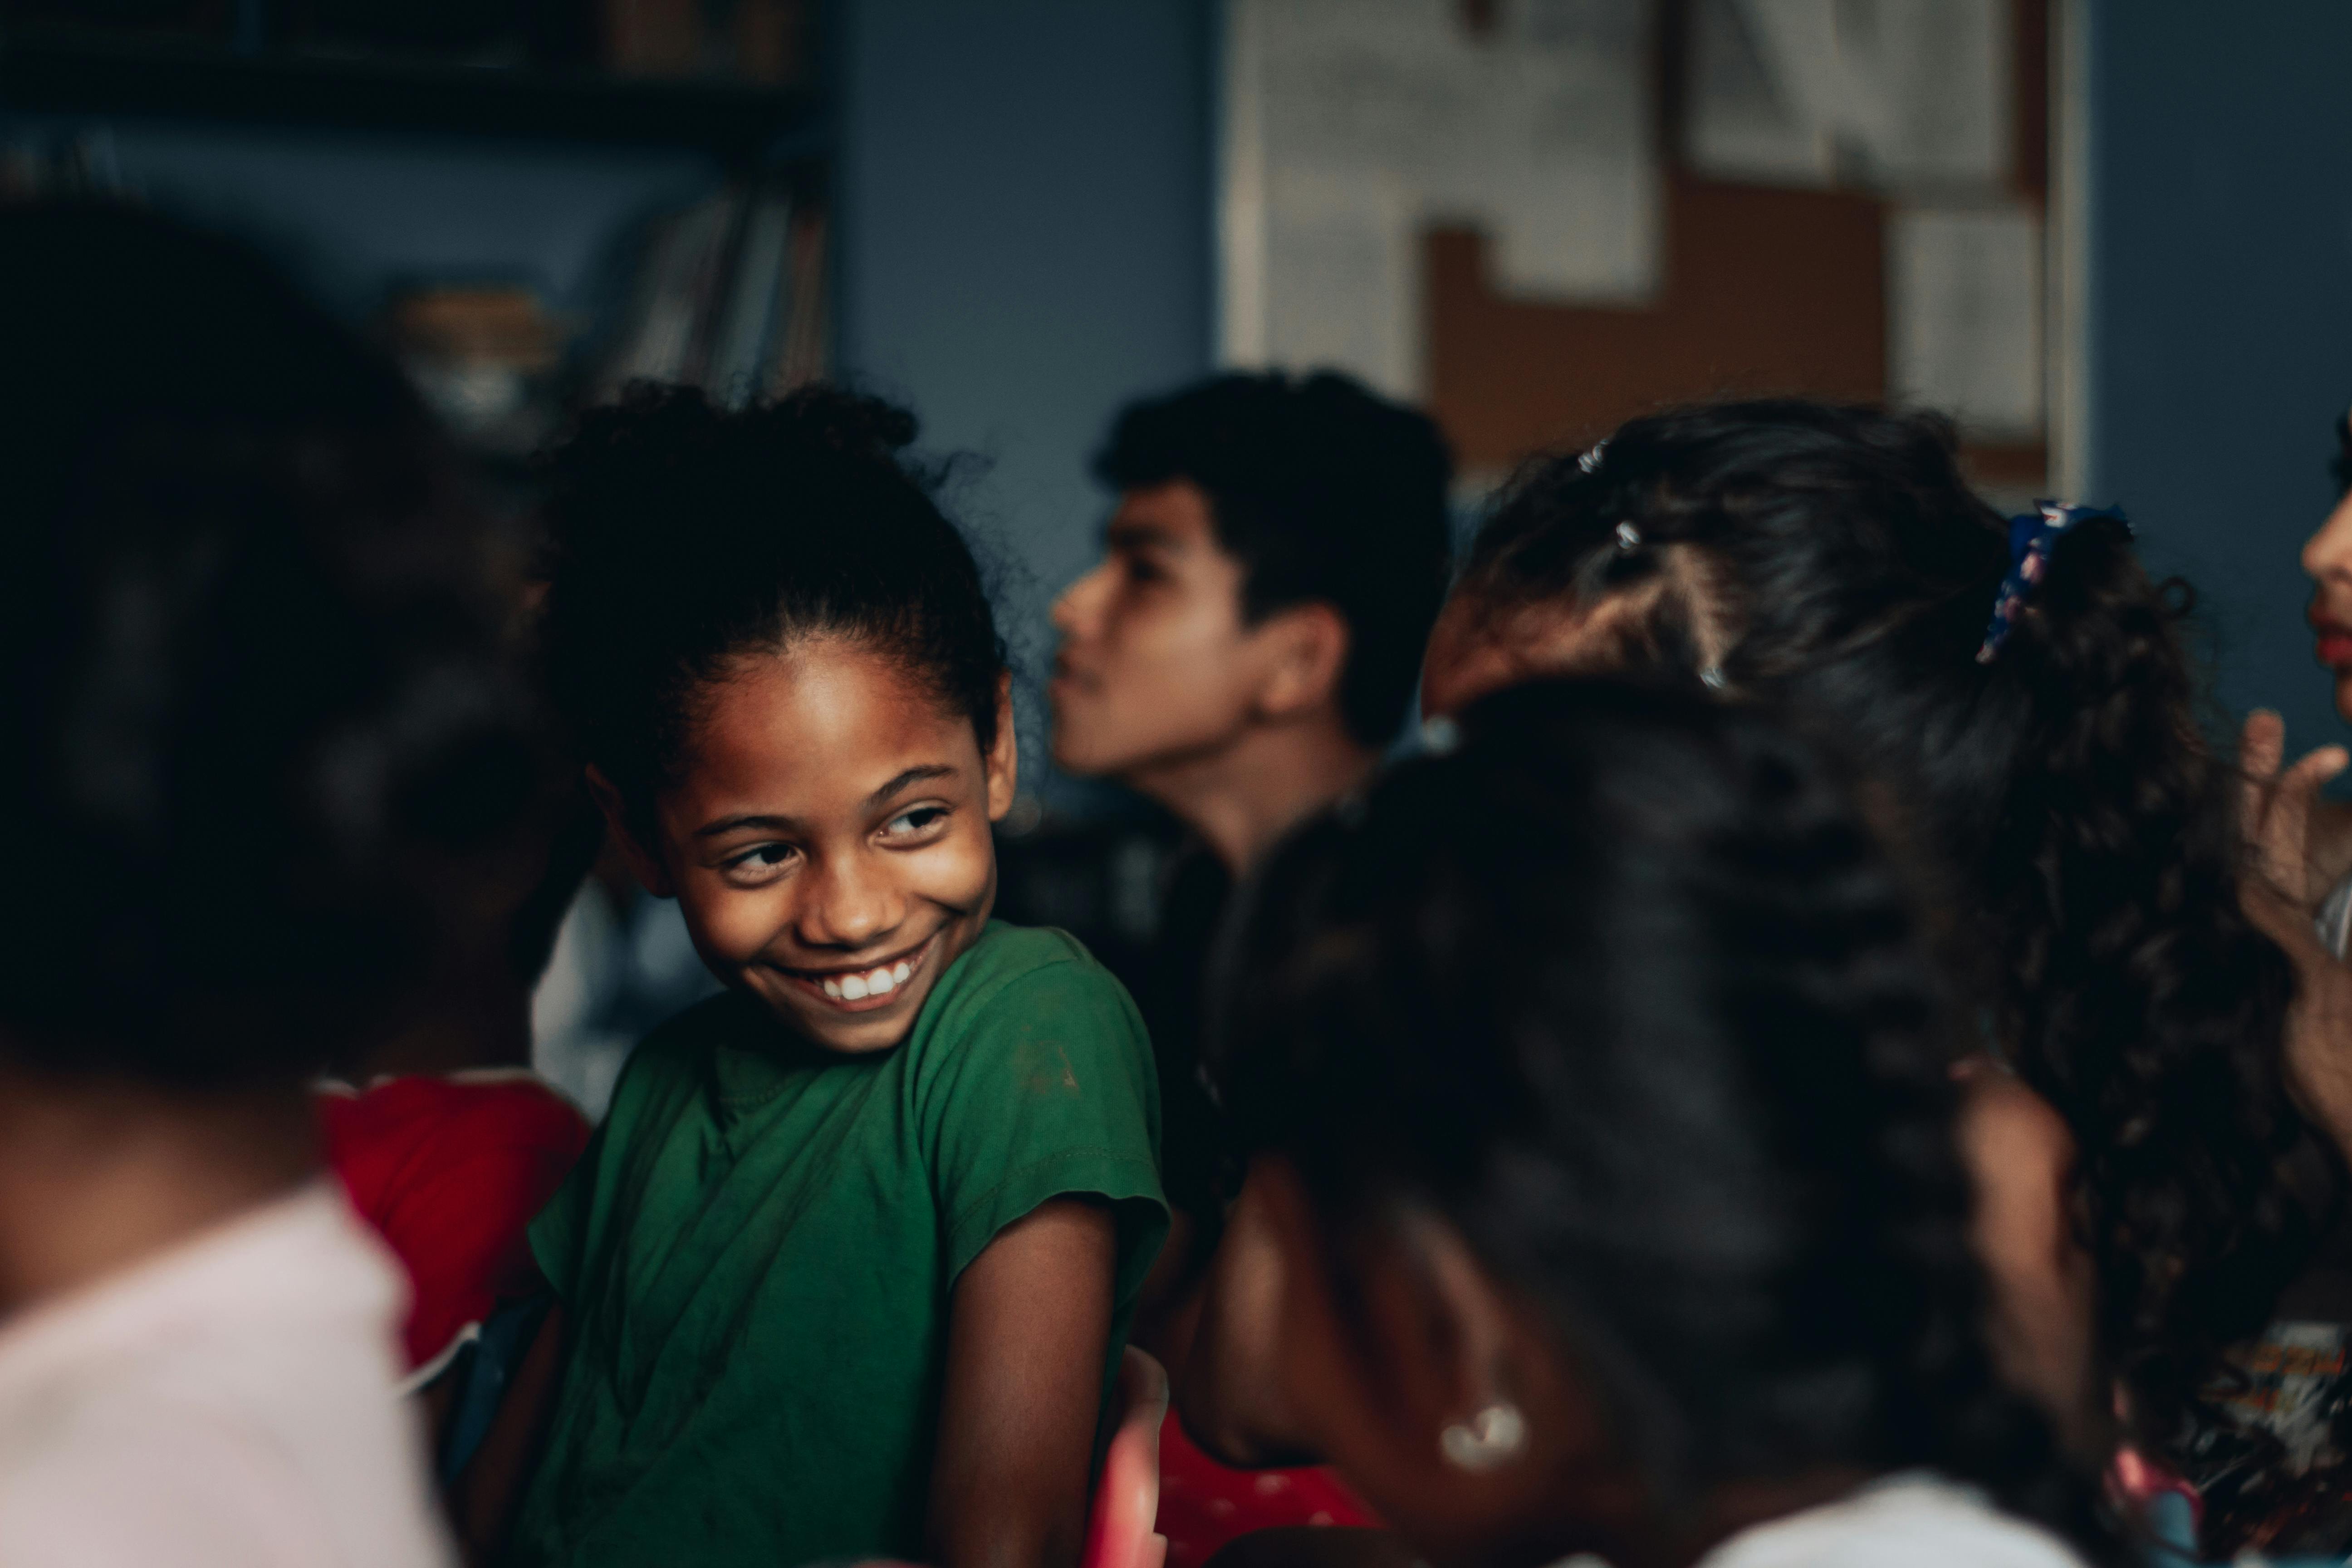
(1008, 954)
(1025, 978)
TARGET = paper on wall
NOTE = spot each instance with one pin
(1747, 120)
(1964, 300)
(1569, 183)
(1909, 94)
(1343, 279)
(1344, 116)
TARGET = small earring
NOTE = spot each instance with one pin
(1712, 678)
(1629, 538)
(1488, 1440)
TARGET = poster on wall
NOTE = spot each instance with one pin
(1897, 94)
(1964, 297)
(1353, 125)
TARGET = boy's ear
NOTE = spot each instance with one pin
(1003, 763)
(1307, 645)
(643, 864)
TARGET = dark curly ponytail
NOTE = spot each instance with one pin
(2080, 830)
(1625, 991)
(2150, 1007)
(682, 536)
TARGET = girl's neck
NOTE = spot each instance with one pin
(99, 1176)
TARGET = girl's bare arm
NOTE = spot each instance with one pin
(482, 1503)
(1028, 1332)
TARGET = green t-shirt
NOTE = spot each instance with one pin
(757, 1248)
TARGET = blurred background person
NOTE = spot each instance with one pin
(1633, 1222)
(1241, 656)
(270, 763)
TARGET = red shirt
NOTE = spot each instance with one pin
(449, 1170)
(1204, 1504)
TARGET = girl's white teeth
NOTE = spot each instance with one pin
(857, 987)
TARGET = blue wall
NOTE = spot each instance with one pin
(2221, 340)
(1025, 245)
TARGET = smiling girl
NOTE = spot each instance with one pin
(842, 1274)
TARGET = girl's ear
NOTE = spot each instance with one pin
(1439, 1392)
(643, 864)
(1003, 763)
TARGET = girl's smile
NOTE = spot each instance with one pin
(873, 987)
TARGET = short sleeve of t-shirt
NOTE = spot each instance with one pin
(1044, 1090)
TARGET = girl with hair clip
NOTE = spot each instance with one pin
(2018, 697)
(1606, 1138)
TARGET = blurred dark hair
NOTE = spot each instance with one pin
(1833, 560)
(683, 536)
(1325, 493)
(1624, 990)
(267, 750)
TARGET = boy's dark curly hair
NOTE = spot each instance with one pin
(1625, 991)
(268, 753)
(2080, 831)
(683, 536)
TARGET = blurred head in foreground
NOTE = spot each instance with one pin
(265, 746)
(1609, 1138)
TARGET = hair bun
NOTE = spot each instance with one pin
(850, 423)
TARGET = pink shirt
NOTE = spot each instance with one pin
(227, 1405)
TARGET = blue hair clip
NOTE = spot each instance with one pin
(2031, 537)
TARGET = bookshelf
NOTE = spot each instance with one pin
(722, 283)
(737, 123)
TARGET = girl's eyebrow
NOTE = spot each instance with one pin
(914, 775)
(730, 824)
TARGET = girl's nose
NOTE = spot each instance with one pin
(2328, 554)
(849, 905)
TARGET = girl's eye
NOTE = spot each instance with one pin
(765, 858)
(915, 821)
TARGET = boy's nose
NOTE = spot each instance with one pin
(1073, 609)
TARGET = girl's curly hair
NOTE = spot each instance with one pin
(683, 535)
(2078, 830)
(1625, 989)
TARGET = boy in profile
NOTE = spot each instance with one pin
(1242, 655)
